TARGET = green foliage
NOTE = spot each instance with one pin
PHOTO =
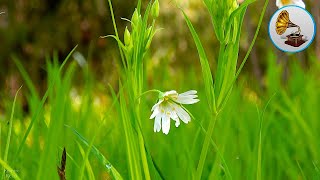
(206, 72)
(229, 19)
(110, 169)
(270, 135)
(133, 51)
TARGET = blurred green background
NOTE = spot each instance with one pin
(33, 30)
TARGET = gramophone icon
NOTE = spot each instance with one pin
(283, 22)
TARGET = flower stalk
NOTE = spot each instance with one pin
(135, 44)
(227, 17)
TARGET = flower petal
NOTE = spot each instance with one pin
(156, 111)
(177, 124)
(172, 92)
(183, 115)
(299, 3)
(171, 110)
(187, 99)
(165, 124)
(175, 117)
(157, 123)
(279, 3)
(191, 92)
(157, 104)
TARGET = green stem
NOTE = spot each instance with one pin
(205, 147)
(212, 143)
(224, 101)
(218, 90)
(116, 33)
(219, 76)
(141, 142)
(146, 92)
(143, 155)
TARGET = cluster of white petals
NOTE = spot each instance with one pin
(281, 3)
(169, 107)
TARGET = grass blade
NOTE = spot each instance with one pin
(205, 67)
(110, 169)
(87, 164)
(26, 77)
(302, 173)
(261, 117)
(5, 158)
(39, 109)
(9, 170)
(218, 151)
(116, 33)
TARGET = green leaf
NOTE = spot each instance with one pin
(5, 158)
(224, 101)
(26, 77)
(40, 106)
(9, 170)
(86, 164)
(205, 67)
(110, 169)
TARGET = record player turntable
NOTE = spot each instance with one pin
(283, 22)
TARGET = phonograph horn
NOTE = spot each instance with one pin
(283, 22)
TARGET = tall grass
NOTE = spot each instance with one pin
(247, 144)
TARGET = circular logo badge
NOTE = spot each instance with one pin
(292, 29)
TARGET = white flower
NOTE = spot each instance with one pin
(169, 107)
(281, 3)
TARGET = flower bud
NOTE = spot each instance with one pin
(149, 36)
(148, 44)
(127, 37)
(155, 9)
(135, 17)
(148, 32)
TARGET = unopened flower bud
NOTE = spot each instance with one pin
(155, 9)
(127, 37)
(149, 30)
(135, 17)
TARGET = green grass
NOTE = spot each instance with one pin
(283, 146)
(248, 133)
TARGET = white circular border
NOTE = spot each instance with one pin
(298, 49)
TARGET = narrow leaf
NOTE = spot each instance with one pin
(110, 169)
